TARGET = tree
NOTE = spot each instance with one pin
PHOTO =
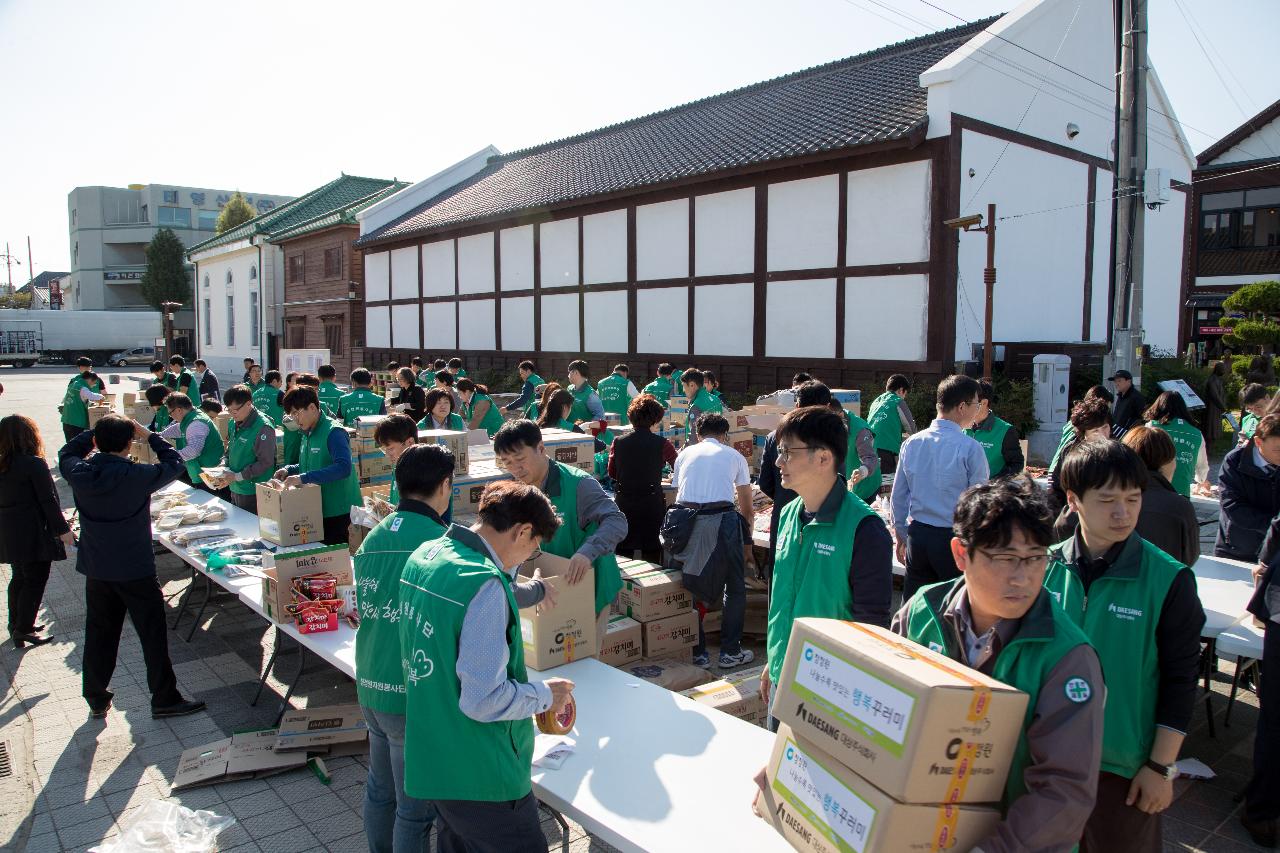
(16, 300)
(234, 212)
(166, 278)
(1260, 303)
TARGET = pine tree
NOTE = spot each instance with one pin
(166, 278)
(234, 212)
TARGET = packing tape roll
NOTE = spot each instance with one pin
(561, 723)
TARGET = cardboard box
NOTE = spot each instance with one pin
(222, 421)
(374, 464)
(650, 592)
(570, 448)
(818, 804)
(280, 569)
(908, 719)
(566, 632)
(670, 634)
(327, 730)
(366, 425)
(673, 674)
(623, 641)
(468, 487)
(477, 437)
(96, 413)
(737, 694)
(743, 441)
(141, 412)
(140, 450)
(246, 755)
(290, 516)
(455, 440)
(850, 399)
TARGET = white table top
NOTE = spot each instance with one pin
(1225, 587)
(1243, 639)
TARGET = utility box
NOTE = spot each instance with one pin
(1051, 388)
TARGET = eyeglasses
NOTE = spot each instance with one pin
(1009, 562)
(784, 453)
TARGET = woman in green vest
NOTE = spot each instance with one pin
(440, 414)
(1002, 534)
(361, 401)
(998, 438)
(555, 413)
(324, 460)
(251, 448)
(478, 408)
(1169, 413)
(471, 758)
(712, 385)
(194, 436)
(1253, 405)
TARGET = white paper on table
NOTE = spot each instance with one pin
(550, 751)
(1194, 768)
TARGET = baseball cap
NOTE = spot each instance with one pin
(1121, 374)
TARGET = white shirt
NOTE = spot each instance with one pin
(708, 472)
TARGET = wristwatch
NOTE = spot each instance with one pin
(1167, 771)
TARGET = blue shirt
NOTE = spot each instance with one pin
(340, 466)
(934, 466)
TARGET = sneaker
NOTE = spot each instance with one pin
(703, 659)
(730, 661)
(181, 709)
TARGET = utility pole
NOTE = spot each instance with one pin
(31, 268)
(974, 223)
(8, 262)
(1130, 166)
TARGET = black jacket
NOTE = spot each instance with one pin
(1250, 498)
(113, 496)
(771, 485)
(30, 517)
(1128, 411)
(209, 387)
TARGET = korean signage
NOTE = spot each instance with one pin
(126, 275)
(1214, 330)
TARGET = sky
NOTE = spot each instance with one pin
(279, 96)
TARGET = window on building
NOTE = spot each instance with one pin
(207, 220)
(332, 263)
(231, 319)
(73, 217)
(1242, 219)
(208, 322)
(206, 281)
(253, 273)
(333, 335)
(295, 268)
(297, 334)
(230, 279)
(75, 254)
(253, 318)
(170, 196)
(180, 216)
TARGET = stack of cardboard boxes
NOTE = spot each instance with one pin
(574, 449)
(884, 744)
(373, 466)
(737, 694)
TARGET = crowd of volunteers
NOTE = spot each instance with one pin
(1079, 594)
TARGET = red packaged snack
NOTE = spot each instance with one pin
(317, 586)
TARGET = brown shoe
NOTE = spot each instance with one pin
(1263, 832)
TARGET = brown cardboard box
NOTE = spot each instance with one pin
(623, 641)
(374, 464)
(324, 730)
(366, 425)
(566, 632)
(280, 569)
(467, 488)
(903, 716)
(246, 755)
(127, 399)
(673, 674)
(97, 412)
(141, 451)
(570, 448)
(290, 516)
(743, 441)
(650, 592)
(141, 412)
(737, 694)
(222, 421)
(670, 634)
(455, 440)
(818, 804)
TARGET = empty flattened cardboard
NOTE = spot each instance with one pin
(331, 730)
(246, 755)
(650, 592)
(818, 804)
(623, 641)
(289, 516)
(281, 568)
(454, 440)
(921, 727)
(737, 694)
(563, 633)
(671, 673)
(670, 634)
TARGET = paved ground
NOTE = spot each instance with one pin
(76, 782)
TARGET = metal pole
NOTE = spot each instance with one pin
(8, 262)
(989, 277)
(31, 268)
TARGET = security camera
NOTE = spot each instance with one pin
(965, 222)
(1073, 130)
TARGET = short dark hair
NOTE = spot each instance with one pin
(693, 375)
(986, 391)
(1168, 406)
(360, 376)
(435, 395)
(201, 361)
(237, 395)
(84, 361)
(299, 398)
(177, 359)
(444, 376)
(987, 514)
(506, 503)
(393, 366)
(1252, 393)
(272, 376)
(1095, 464)
(800, 378)
(1090, 413)
(422, 468)
(526, 365)
(439, 364)
(156, 394)
(1268, 427)
(310, 380)
(255, 364)
(454, 362)
(1153, 446)
(211, 407)
(621, 368)
(711, 424)
(897, 382)
(817, 426)
(178, 400)
(113, 433)
(327, 371)
(580, 366)
(666, 369)
(397, 427)
(417, 359)
(513, 435)
(1100, 392)
(709, 378)
(812, 393)
(644, 411)
(955, 390)
(157, 365)
(249, 360)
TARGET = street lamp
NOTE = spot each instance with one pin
(168, 308)
(973, 222)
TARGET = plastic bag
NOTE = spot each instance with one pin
(165, 827)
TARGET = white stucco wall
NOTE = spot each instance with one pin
(560, 323)
(724, 239)
(1264, 142)
(404, 326)
(870, 299)
(475, 263)
(800, 318)
(437, 268)
(604, 247)
(516, 248)
(888, 214)
(477, 324)
(439, 326)
(662, 240)
(722, 317)
(803, 220)
(605, 316)
(225, 358)
(517, 323)
(558, 245)
(662, 320)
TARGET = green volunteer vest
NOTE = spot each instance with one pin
(569, 536)
(992, 440)
(378, 563)
(1248, 425)
(448, 755)
(564, 425)
(885, 423)
(461, 374)
(291, 443)
(1186, 444)
(171, 380)
(705, 403)
(1119, 616)
(188, 379)
(210, 454)
(580, 412)
(454, 422)
(336, 498)
(811, 571)
(426, 378)
(360, 402)
(329, 395)
(240, 451)
(492, 420)
(660, 388)
(266, 400)
(1068, 434)
(163, 418)
(675, 379)
(869, 487)
(393, 497)
(613, 395)
(1044, 638)
(75, 412)
(531, 410)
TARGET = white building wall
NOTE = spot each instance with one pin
(224, 353)
(558, 244)
(560, 323)
(724, 236)
(605, 316)
(662, 240)
(803, 219)
(801, 319)
(517, 323)
(475, 263)
(868, 300)
(888, 214)
(517, 258)
(662, 320)
(604, 247)
(1264, 142)
(476, 322)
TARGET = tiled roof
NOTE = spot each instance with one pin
(343, 216)
(335, 195)
(872, 97)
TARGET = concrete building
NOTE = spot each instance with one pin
(797, 222)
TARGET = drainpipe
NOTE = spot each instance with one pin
(262, 326)
(195, 312)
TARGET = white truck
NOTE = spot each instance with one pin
(61, 336)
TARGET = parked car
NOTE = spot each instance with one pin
(137, 355)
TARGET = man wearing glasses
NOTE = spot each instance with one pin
(998, 618)
(251, 448)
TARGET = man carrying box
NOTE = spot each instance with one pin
(468, 701)
(361, 401)
(324, 459)
(194, 435)
(998, 618)
(834, 557)
(591, 523)
(251, 449)
(1140, 610)
(393, 820)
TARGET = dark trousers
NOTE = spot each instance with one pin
(69, 432)
(888, 465)
(929, 557)
(1262, 797)
(26, 588)
(471, 826)
(248, 503)
(1116, 826)
(337, 529)
(106, 603)
(729, 550)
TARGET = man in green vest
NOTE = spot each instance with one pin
(700, 403)
(183, 380)
(529, 382)
(393, 820)
(616, 392)
(82, 389)
(586, 402)
(662, 386)
(468, 700)
(834, 556)
(395, 434)
(455, 367)
(324, 460)
(156, 396)
(251, 448)
(268, 398)
(160, 376)
(861, 462)
(591, 523)
(423, 377)
(195, 438)
(253, 376)
(999, 438)
(1140, 610)
(998, 618)
(890, 420)
(329, 392)
(361, 401)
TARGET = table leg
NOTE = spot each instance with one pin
(284, 702)
(275, 650)
(564, 825)
(182, 602)
(204, 602)
(1242, 666)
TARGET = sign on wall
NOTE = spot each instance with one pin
(302, 360)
